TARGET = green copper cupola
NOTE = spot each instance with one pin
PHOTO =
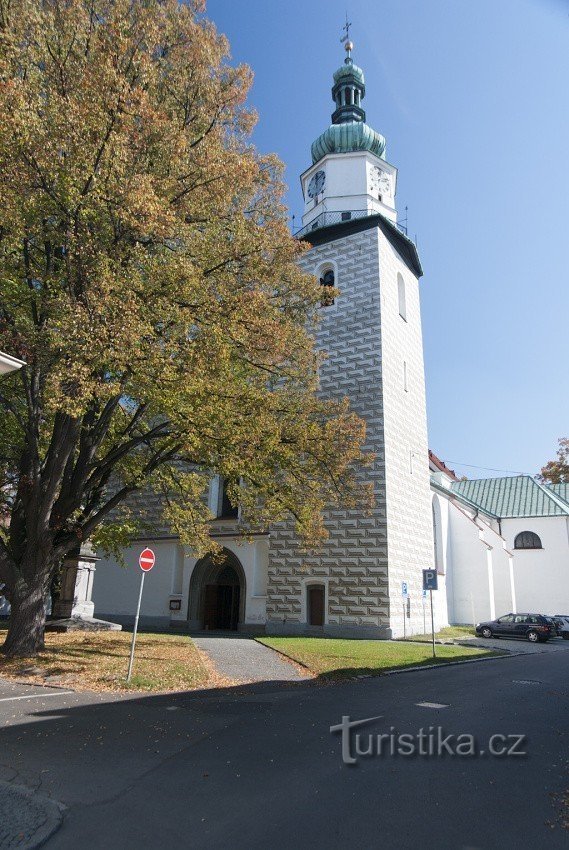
(348, 131)
(348, 91)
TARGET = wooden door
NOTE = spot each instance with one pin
(210, 607)
(316, 605)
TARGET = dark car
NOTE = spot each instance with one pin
(563, 628)
(533, 627)
(557, 624)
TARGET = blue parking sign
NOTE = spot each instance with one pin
(404, 589)
(430, 580)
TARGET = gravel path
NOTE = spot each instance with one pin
(245, 660)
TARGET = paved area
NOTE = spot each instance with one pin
(256, 766)
(246, 660)
(519, 646)
(26, 819)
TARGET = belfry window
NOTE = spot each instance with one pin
(225, 510)
(328, 282)
(401, 297)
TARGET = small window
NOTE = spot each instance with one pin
(405, 387)
(527, 540)
(401, 297)
(327, 281)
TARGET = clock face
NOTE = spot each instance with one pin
(379, 181)
(316, 184)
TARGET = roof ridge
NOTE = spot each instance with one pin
(558, 500)
(512, 496)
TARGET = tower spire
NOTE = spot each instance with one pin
(348, 131)
(345, 40)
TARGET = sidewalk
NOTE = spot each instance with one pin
(243, 659)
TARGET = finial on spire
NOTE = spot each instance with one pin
(345, 40)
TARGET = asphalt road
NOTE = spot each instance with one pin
(256, 766)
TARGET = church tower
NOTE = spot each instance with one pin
(372, 334)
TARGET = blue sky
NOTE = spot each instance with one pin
(473, 98)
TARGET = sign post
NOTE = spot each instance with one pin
(146, 561)
(424, 620)
(405, 596)
(430, 583)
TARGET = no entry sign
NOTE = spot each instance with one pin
(147, 560)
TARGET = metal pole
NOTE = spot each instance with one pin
(131, 659)
(433, 624)
(424, 617)
(404, 625)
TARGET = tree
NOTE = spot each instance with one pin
(149, 280)
(557, 471)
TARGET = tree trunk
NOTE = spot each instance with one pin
(26, 626)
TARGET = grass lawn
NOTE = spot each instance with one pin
(450, 633)
(98, 661)
(336, 658)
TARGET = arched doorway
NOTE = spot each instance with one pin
(217, 593)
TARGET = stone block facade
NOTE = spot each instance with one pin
(365, 558)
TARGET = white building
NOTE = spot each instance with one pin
(367, 580)
(501, 545)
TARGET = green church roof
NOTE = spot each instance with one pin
(348, 69)
(561, 490)
(348, 130)
(351, 136)
(518, 496)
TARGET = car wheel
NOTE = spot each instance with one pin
(565, 635)
(533, 637)
(487, 633)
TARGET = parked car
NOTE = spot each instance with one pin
(563, 628)
(555, 625)
(533, 627)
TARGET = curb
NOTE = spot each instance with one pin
(27, 683)
(444, 664)
(20, 810)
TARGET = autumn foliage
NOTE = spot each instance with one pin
(148, 279)
(557, 471)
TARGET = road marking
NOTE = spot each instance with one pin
(37, 696)
(526, 682)
(431, 705)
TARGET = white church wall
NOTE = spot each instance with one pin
(541, 575)
(407, 476)
(441, 544)
(115, 589)
(504, 601)
(469, 565)
(479, 568)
